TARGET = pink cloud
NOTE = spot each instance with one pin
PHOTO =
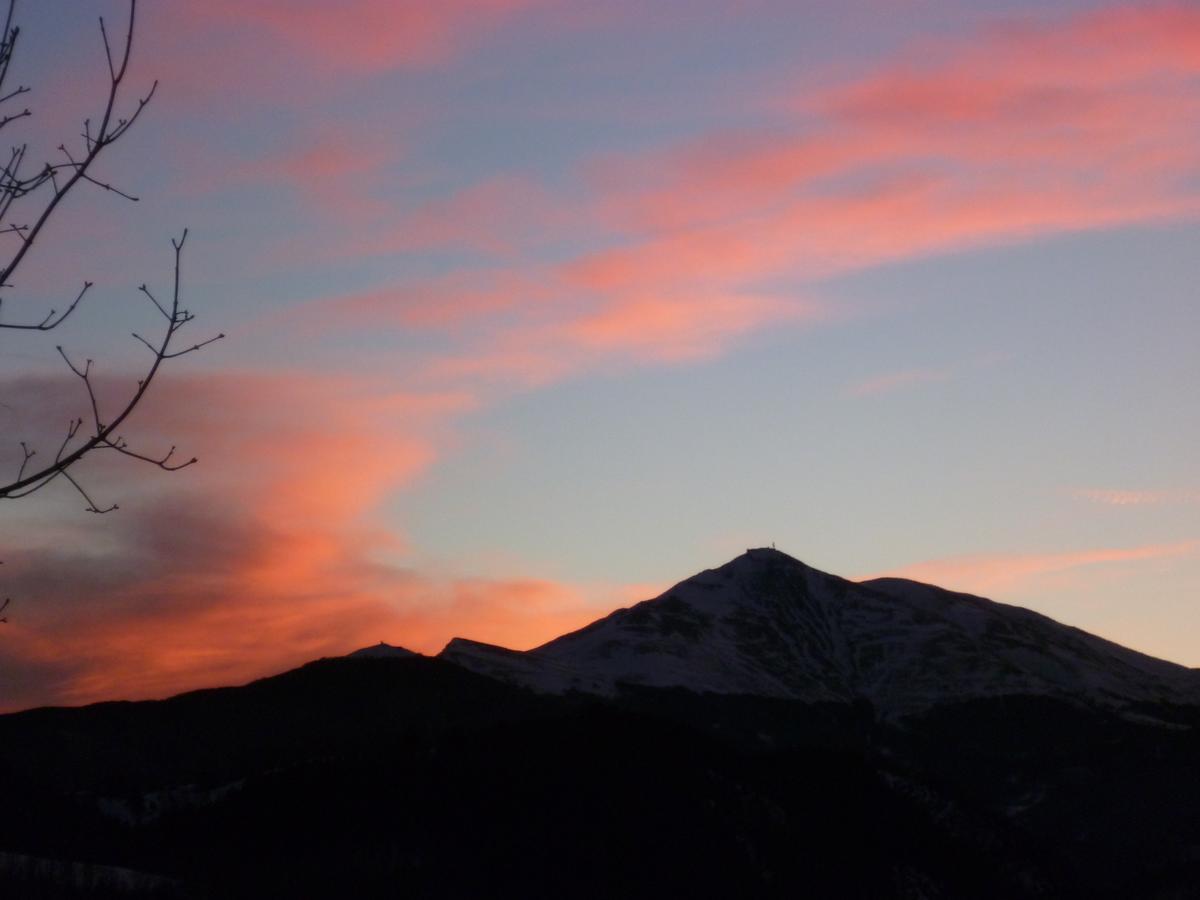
(229, 61)
(461, 304)
(492, 216)
(367, 35)
(617, 330)
(1000, 573)
(1084, 122)
(1110, 497)
(1027, 70)
(980, 141)
(337, 171)
(894, 381)
(676, 328)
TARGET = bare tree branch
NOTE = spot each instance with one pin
(53, 318)
(104, 435)
(14, 186)
(28, 200)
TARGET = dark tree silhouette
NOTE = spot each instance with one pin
(28, 200)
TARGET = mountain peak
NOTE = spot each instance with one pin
(768, 553)
(766, 624)
(766, 556)
(382, 651)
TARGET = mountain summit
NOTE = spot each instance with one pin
(381, 651)
(765, 624)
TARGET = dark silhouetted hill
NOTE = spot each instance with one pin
(956, 748)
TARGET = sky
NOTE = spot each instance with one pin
(535, 308)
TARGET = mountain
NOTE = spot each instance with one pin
(760, 730)
(767, 625)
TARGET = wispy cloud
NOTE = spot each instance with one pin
(895, 381)
(336, 170)
(1002, 573)
(1116, 497)
(1082, 122)
(366, 35)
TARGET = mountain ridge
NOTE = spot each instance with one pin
(766, 624)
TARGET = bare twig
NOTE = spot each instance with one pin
(14, 186)
(53, 318)
(104, 435)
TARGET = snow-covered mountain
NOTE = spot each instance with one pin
(765, 624)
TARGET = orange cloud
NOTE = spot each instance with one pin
(992, 574)
(151, 637)
(268, 555)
